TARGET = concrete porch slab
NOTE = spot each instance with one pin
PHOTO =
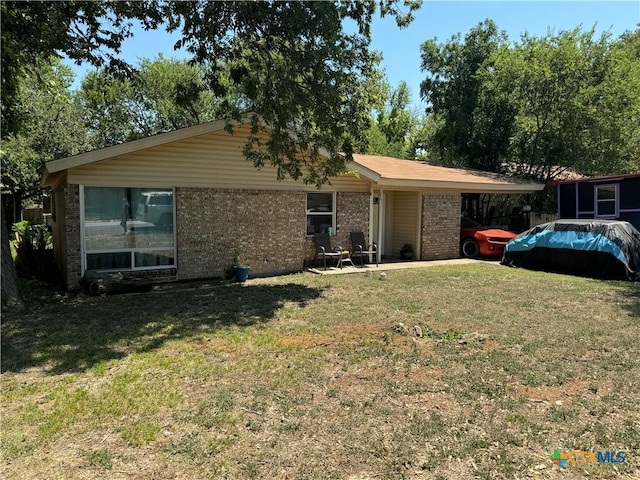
(393, 266)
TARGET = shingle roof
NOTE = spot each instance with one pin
(582, 179)
(388, 171)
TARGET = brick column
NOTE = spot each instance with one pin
(72, 238)
(440, 226)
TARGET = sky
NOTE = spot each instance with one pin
(442, 19)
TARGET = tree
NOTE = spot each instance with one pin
(575, 97)
(33, 31)
(623, 84)
(105, 111)
(114, 109)
(393, 124)
(292, 62)
(297, 68)
(537, 107)
(161, 95)
(84, 31)
(53, 129)
(472, 126)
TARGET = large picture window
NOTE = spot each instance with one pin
(607, 201)
(321, 213)
(128, 228)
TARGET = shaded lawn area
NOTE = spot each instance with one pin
(473, 371)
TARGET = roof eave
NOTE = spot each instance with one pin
(52, 180)
(611, 178)
(466, 186)
(364, 171)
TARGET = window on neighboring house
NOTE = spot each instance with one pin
(321, 213)
(607, 201)
(127, 228)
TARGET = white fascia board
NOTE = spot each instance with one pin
(364, 171)
(465, 186)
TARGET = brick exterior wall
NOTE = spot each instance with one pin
(267, 227)
(440, 233)
(352, 215)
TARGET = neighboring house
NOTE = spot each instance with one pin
(603, 198)
(181, 204)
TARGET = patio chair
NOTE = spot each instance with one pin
(323, 249)
(360, 248)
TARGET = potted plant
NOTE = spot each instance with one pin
(406, 252)
(240, 267)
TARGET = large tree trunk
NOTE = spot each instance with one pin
(10, 293)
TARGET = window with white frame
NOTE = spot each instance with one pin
(321, 212)
(606, 201)
(128, 228)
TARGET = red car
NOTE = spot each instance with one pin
(476, 240)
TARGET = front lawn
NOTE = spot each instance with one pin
(448, 372)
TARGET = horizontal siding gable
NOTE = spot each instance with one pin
(213, 160)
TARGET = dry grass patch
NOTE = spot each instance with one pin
(474, 371)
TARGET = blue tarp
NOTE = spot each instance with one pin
(593, 248)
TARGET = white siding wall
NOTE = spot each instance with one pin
(404, 221)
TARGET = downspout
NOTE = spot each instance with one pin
(370, 236)
(419, 228)
(83, 256)
(381, 203)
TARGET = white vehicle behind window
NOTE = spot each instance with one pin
(156, 208)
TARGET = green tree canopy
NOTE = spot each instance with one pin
(304, 67)
(160, 95)
(82, 30)
(393, 124)
(53, 128)
(472, 126)
(571, 103)
(624, 78)
(537, 107)
(298, 67)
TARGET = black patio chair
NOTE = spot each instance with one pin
(324, 249)
(360, 248)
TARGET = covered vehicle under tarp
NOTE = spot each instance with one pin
(607, 249)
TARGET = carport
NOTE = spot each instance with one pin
(420, 203)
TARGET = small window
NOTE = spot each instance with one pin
(607, 201)
(320, 213)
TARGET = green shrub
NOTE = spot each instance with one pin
(33, 246)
